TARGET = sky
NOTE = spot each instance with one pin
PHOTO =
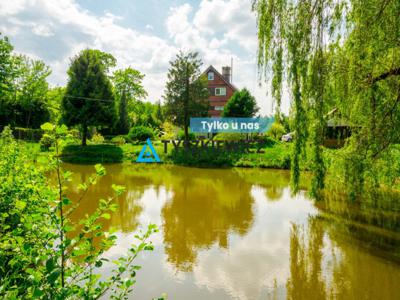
(143, 34)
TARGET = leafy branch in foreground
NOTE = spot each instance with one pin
(43, 254)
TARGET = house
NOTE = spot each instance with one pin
(220, 87)
(337, 129)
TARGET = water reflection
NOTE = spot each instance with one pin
(205, 209)
(240, 234)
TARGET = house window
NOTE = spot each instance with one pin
(220, 91)
(210, 75)
(218, 108)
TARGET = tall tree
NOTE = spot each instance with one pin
(186, 93)
(23, 89)
(32, 87)
(241, 105)
(129, 89)
(342, 54)
(89, 98)
(6, 80)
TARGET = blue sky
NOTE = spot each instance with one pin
(145, 35)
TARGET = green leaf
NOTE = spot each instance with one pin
(106, 216)
(53, 276)
(119, 189)
(50, 265)
(100, 170)
(66, 201)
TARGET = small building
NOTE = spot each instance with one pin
(337, 129)
(220, 87)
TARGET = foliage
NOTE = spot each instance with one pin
(241, 105)
(186, 93)
(169, 131)
(335, 54)
(276, 131)
(46, 142)
(145, 114)
(54, 98)
(181, 135)
(97, 138)
(89, 98)
(140, 133)
(129, 90)
(92, 154)
(118, 140)
(23, 89)
(40, 255)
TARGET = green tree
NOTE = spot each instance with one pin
(186, 93)
(129, 89)
(23, 88)
(241, 105)
(31, 92)
(342, 54)
(54, 99)
(6, 79)
(89, 98)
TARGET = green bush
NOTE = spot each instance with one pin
(140, 133)
(276, 131)
(97, 139)
(118, 140)
(181, 135)
(75, 133)
(266, 140)
(46, 142)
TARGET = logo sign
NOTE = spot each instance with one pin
(232, 125)
(148, 154)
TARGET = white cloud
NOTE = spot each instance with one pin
(56, 30)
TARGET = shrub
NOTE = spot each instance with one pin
(118, 140)
(181, 135)
(75, 133)
(276, 131)
(97, 138)
(169, 131)
(46, 142)
(265, 140)
(140, 133)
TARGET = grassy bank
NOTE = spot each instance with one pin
(274, 156)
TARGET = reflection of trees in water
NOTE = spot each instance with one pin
(374, 221)
(206, 208)
(130, 208)
(350, 273)
(306, 281)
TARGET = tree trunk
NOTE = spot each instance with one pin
(185, 108)
(84, 134)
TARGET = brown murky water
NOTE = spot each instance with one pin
(240, 234)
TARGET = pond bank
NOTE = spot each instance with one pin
(276, 156)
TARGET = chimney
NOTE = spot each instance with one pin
(226, 73)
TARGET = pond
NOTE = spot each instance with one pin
(241, 234)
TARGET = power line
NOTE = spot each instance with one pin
(89, 99)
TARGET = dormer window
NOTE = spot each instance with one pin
(210, 76)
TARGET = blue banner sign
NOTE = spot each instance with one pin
(232, 125)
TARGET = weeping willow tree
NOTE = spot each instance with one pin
(343, 55)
